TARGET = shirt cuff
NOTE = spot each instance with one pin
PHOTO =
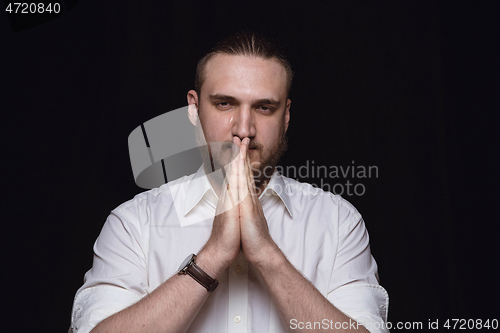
(94, 304)
(366, 303)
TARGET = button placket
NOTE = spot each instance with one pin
(238, 295)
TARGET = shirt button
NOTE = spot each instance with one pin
(237, 319)
(238, 269)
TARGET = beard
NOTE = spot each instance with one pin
(263, 171)
(216, 155)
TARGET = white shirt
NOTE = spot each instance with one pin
(144, 241)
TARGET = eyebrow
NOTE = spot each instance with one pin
(269, 101)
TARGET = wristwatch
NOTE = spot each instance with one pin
(190, 268)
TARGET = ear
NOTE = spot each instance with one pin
(287, 113)
(192, 98)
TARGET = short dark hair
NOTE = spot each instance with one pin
(245, 43)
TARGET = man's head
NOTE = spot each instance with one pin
(242, 89)
(244, 44)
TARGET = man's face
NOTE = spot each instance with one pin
(245, 97)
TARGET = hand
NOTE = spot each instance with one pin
(224, 243)
(255, 238)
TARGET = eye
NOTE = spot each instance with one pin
(223, 105)
(265, 109)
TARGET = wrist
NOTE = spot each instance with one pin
(271, 257)
(207, 261)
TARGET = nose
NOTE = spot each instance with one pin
(244, 123)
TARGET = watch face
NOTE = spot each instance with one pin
(185, 262)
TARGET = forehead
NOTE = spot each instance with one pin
(244, 76)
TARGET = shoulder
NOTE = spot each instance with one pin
(140, 206)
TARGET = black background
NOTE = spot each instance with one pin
(408, 86)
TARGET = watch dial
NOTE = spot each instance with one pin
(185, 262)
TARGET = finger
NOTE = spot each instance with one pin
(228, 193)
(233, 176)
(226, 201)
(231, 196)
(249, 172)
(243, 180)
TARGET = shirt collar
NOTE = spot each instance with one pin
(277, 186)
(197, 188)
(200, 185)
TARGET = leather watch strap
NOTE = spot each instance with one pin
(201, 277)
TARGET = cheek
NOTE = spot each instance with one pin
(215, 129)
(270, 134)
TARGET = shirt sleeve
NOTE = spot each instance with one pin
(118, 277)
(354, 286)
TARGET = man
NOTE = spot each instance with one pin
(273, 255)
